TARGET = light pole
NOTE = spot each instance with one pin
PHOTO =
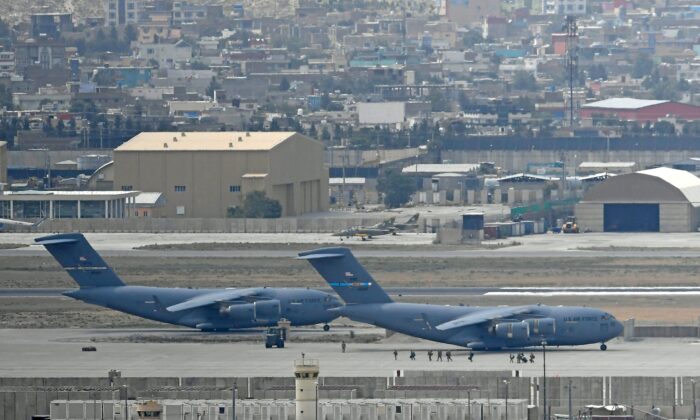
(469, 404)
(126, 402)
(695, 407)
(569, 387)
(233, 401)
(506, 383)
(316, 400)
(544, 378)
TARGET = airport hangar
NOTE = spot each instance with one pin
(203, 174)
(654, 200)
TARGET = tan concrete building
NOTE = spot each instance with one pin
(203, 174)
(3, 162)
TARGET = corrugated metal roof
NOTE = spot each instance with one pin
(623, 103)
(347, 180)
(603, 165)
(523, 177)
(205, 141)
(687, 183)
(441, 168)
(147, 198)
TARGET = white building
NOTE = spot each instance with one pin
(167, 55)
(381, 112)
(48, 98)
(564, 7)
(121, 12)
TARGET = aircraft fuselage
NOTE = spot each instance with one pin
(299, 306)
(572, 325)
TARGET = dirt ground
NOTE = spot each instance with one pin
(31, 272)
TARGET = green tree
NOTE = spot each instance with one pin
(257, 205)
(130, 34)
(438, 101)
(664, 128)
(284, 84)
(60, 127)
(213, 85)
(397, 189)
(597, 72)
(523, 80)
(643, 66)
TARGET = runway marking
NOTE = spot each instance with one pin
(598, 293)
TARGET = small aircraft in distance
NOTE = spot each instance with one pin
(10, 222)
(204, 309)
(386, 227)
(410, 224)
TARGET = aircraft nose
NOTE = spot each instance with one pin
(619, 328)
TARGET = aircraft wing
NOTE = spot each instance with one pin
(216, 297)
(485, 315)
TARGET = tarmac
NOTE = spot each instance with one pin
(631, 245)
(57, 353)
(645, 291)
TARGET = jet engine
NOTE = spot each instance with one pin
(512, 330)
(240, 311)
(259, 310)
(266, 309)
(542, 326)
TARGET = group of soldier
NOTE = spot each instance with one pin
(448, 355)
(520, 357)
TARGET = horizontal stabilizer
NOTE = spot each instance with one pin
(214, 298)
(80, 260)
(485, 315)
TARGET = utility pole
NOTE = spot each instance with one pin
(571, 28)
(505, 381)
(544, 378)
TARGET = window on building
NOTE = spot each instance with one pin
(234, 188)
(130, 6)
(127, 187)
(180, 210)
(92, 209)
(180, 188)
(130, 15)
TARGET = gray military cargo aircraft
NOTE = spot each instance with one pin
(204, 309)
(477, 328)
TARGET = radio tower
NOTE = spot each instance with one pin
(571, 60)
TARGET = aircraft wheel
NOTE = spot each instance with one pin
(603, 347)
(326, 327)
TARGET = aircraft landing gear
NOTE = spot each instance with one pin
(603, 347)
(326, 327)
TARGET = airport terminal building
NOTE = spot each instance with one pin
(653, 200)
(203, 174)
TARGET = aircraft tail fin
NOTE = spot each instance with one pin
(80, 260)
(346, 275)
(413, 219)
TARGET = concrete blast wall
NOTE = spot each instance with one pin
(22, 397)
